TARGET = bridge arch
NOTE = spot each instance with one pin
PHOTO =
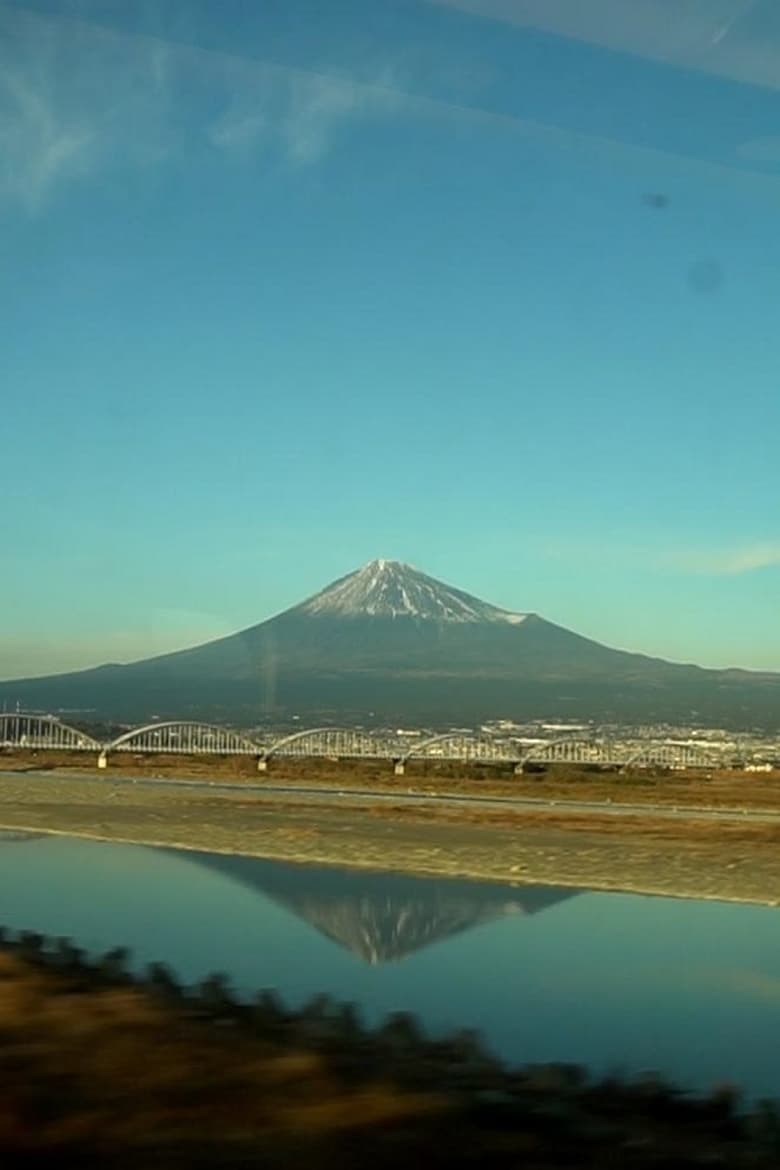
(570, 750)
(19, 729)
(465, 746)
(676, 755)
(328, 743)
(183, 737)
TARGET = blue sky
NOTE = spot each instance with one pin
(288, 286)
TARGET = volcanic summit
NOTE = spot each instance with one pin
(391, 589)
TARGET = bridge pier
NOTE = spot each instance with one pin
(518, 769)
(262, 764)
(399, 767)
(102, 760)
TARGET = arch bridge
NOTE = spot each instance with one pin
(460, 746)
(47, 732)
(26, 730)
(569, 750)
(677, 755)
(329, 743)
(180, 737)
(614, 753)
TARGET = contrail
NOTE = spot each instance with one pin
(726, 28)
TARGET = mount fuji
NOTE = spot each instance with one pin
(389, 644)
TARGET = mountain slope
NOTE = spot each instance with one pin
(392, 644)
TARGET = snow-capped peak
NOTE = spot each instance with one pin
(393, 589)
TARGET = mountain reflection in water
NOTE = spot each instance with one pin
(383, 917)
(607, 980)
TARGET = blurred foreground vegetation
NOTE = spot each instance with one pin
(98, 1068)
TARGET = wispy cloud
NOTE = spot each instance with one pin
(298, 111)
(40, 143)
(71, 96)
(76, 97)
(728, 561)
(724, 561)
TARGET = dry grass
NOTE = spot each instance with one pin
(98, 1071)
(114, 1069)
(686, 828)
(724, 788)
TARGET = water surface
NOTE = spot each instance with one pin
(545, 973)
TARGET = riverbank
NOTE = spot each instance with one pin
(103, 1069)
(726, 787)
(679, 856)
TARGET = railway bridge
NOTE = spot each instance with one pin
(39, 732)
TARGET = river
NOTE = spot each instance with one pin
(617, 982)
